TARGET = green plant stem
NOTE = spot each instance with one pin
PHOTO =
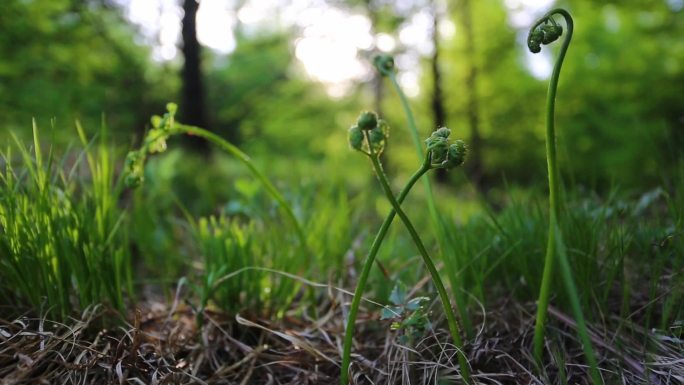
(365, 272)
(247, 161)
(444, 298)
(432, 205)
(571, 288)
(549, 260)
(413, 130)
(554, 237)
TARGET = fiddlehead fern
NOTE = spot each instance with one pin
(385, 65)
(369, 137)
(545, 31)
(163, 127)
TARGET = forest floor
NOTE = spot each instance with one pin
(163, 344)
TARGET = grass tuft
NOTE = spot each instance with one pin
(62, 242)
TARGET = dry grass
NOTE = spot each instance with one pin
(164, 346)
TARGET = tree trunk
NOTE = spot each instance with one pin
(474, 167)
(192, 107)
(437, 99)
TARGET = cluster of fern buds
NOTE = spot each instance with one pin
(369, 136)
(442, 153)
(155, 142)
(376, 130)
(544, 34)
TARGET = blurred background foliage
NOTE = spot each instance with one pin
(620, 112)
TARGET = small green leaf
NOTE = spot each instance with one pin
(413, 319)
(416, 303)
(389, 312)
(398, 295)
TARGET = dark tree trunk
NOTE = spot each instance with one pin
(437, 99)
(192, 106)
(474, 166)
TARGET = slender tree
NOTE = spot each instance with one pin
(475, 167)
(437, 98)
(192, 108)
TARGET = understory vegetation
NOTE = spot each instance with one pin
(73, 238)
(264, 249)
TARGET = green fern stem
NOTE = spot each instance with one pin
(432, 205)
(434, 273)
(554, 189)
(247, 161)
(571, 289)
(365, 272)
(543, 32)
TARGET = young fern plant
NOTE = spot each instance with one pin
(384, 64)
(166, 126)
(369, 136)
(545, 31)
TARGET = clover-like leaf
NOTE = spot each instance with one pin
(398, 295)
(389, 312)
(416, 303)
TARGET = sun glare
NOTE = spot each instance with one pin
(331, 41)
(521, 14)
(215, 24)
(329, 47)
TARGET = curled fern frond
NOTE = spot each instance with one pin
(457, 154)
(384, 64)
(154, 142)
(551, 32)
(442, 153)
(378, 137)
(546, 30)
(369, 134)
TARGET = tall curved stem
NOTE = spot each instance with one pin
(555, 247)
(434, 273)
(441, 290)
(432, 207)
(247, 161)
(554, 189)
